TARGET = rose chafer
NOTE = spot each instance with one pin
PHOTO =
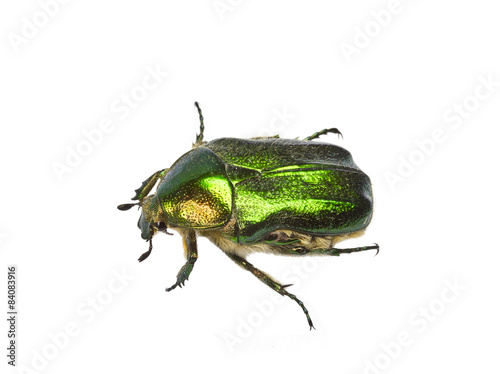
(272, 195)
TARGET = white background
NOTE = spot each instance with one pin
(245, 63)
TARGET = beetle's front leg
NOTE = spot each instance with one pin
(191, 252)
(148, 185)
(279, 288)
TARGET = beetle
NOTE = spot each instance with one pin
(271, 195)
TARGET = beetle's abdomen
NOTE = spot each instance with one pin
(306, 198)
(304, 186)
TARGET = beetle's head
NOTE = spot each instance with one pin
(151, 220)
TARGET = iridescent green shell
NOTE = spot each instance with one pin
(256, 186)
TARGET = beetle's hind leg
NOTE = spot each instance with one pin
(191, 251)
(303, 244)
(316, 135)
(339, 251)
(279, 288)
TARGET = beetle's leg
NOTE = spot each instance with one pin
(199, 137)
(339, 251)
(270, 282)
(146, 254)
(148, 185)
(191, 251)
(316, 135)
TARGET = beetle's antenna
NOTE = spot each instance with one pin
(199, 137)
(126, 206)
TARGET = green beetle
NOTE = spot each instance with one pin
(272, 195)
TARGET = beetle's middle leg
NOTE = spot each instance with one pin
(316, 135)
(279, 288)
(191, 251)
(339, 251)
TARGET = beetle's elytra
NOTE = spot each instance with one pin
(272, 195)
